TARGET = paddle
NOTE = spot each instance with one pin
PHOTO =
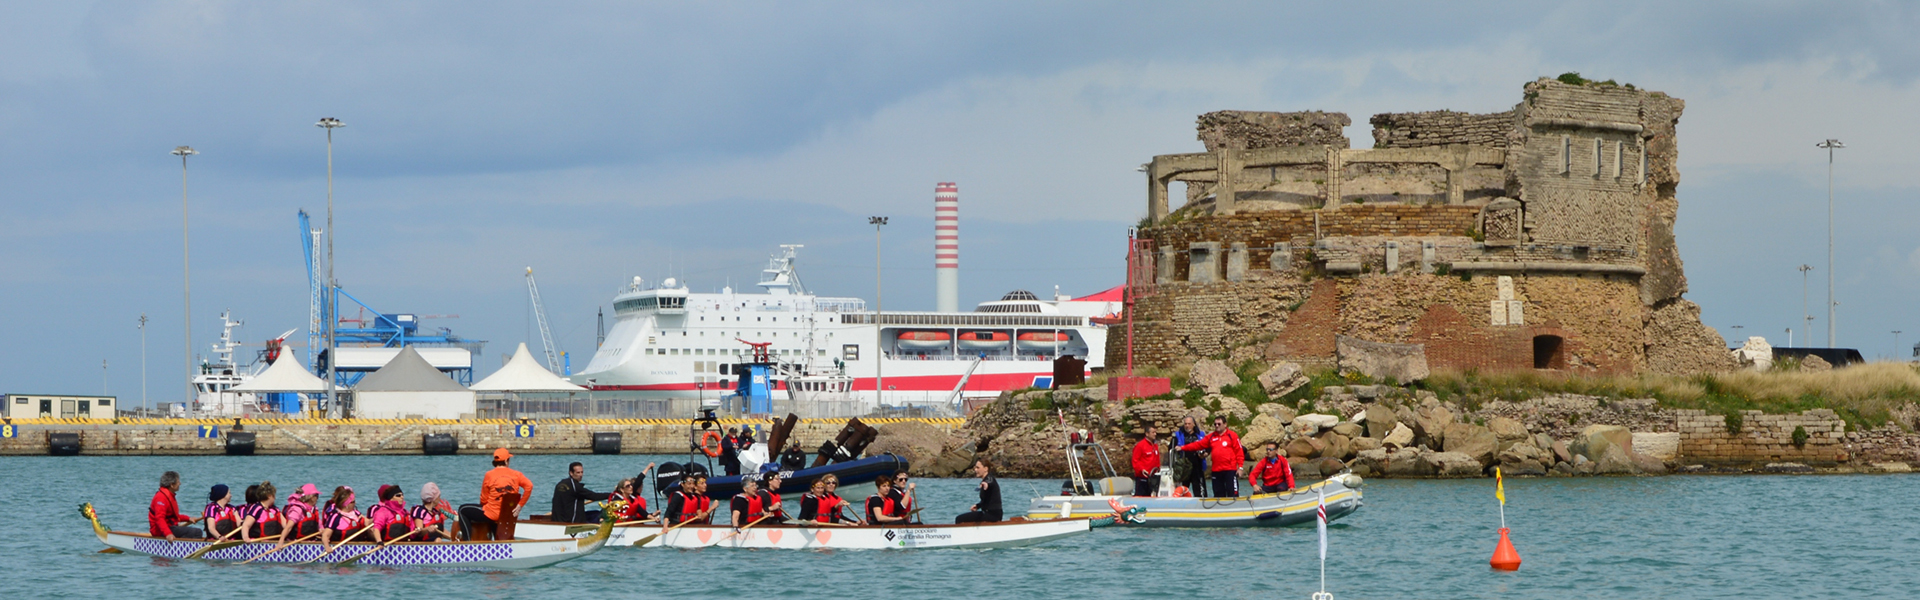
(216, 545)
(112, 551)
(737, 531)
(356, 558)
(701, 517)
(573, 530)
(343, 542)
(282, 546)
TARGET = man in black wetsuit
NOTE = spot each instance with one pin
(988, 510)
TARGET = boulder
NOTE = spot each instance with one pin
(1316, 421)
(1813, 362)
(1430, 425)
(1455, 464)
(1303, 448)
(1370, 393)
(1563, 468)
(1380, 421)
(1282, 379)
(1337, 445)
(1402, 363)
(1409, 462)
(1362, 444)
(1756, 354)
(1373, 461)
(1327, 466)
(1508, 430)
(1544, 441)
(1472, 440)
(915, 441)
(1211, 375)
(1400, 437)
(1263, 429)
(1647, 465)
(1523, 459)
(1350, 429)
(1278, 411)
(1662, 446)
(952, 463)
(1561, 453)
(1164, 414)
(1230, 407)
(1615, 461)
(1304, 471)
(1593, 441)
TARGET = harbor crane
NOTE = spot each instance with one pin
(540, 315)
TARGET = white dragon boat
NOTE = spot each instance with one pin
(477, 556)
(790, 536)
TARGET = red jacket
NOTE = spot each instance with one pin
(1223, 450)
(1146, 458)
(164, 513)
(1272, 470)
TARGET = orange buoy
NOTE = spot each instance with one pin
(1504, 556)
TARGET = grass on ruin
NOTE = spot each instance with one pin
(1865, 396)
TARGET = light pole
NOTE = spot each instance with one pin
(1789, 337)
(1896, 343)
(1736, 333)
(879, 341)
(327, 301)
(1831, 145)
(186, 269)
(143, 362)
(103, 375)
(1806, 311)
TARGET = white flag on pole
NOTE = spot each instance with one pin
(1322, 525)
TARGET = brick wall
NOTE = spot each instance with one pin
(1440, 128)
(1763, 438)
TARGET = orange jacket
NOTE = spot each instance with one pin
(499, 481)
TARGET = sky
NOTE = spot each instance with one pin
(596, 142)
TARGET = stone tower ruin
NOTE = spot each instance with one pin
(1539, 237)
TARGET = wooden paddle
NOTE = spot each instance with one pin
(703, 516)
(356, 558)
(744, 528)
(343, 542)
(113, 551)
(573, 530)
(282, 546)
(216, 545)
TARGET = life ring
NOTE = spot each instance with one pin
(710, 444)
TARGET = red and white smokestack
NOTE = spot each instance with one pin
(946, 247)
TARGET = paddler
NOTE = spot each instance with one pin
(302, 517)
(260, 519)
(813, 500)
(163, 513)
(432, 515)
(1225, 454)
(635, 508)
(770, 498)
(748, 506)
(832, 504)
(390, 517)
(689, 503)
(988, 510)
(340, 518)
(1272, 474)
(496, 484)
(903, 494)
(881, 508)
(222, 518)
(1146, 460)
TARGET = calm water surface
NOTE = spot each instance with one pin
(1670, 537)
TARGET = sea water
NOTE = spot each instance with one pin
(1645, 537)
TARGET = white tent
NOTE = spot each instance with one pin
(409, 387)
(284, 375)
(523, 374)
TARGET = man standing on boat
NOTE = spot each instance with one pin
(1224, 451)
(1146, 460)
(730, 452)
(570, 498)
(1195, 462)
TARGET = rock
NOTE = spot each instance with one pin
(1263, 429)
(1561, 453)
(1337, 445)
(1303, 448)
(1369, 393)
(1595, 439)
(1349, 429)
(1755, 354)
(1662, 446)
(1455, 464)
(1327, 466)
(1401, 363)
(1317, 421)
(1544, 441)
(1430, 425)
(1304, 471)
(915, 441)
(1647, 465)
(1472, 440)
(1400, 437)
(1282, 379)
(1164, 414)
(1278, 411)
(1787, 467)
(1211, 375)
(1563, 468)
(1508, 430)
(1409, 462)
(1374, 461)
(1362, 444)
(1380, 421)
(1892, 467)
(1523, 459)
(1615, 461)
(1582, 466)
(1813, 362)
(952, 463)
(1231, 407)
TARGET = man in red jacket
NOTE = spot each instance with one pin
(1226, 455)
(1146, 460)
(163, 514)
(1272, 471)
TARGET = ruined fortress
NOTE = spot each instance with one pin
(1540, 237)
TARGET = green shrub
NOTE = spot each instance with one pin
(1799, 437)
(1572, 78)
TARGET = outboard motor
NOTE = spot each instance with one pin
(667, 477)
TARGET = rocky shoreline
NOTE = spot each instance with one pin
(1404, 432)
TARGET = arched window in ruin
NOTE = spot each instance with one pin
(1549, 352)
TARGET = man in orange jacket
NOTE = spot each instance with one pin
(1146, 460)
(1226, 455)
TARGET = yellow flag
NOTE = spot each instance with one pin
(1499, 487)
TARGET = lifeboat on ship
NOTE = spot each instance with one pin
(923, 340)
(1036, 341)
(984, 340)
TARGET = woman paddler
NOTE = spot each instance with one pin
(882, 509)
(222, 518)
(390, 517)
(340, 517)
(260, 519)
(301, 516)
(432, 515)
(748, 506)
(833, 504)
(635, 509)
(770, 498)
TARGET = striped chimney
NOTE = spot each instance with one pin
(946, 247)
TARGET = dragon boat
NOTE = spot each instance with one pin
(478, 556)
(1341, 494)
(794, 536)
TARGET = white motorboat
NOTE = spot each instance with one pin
(1005, 534)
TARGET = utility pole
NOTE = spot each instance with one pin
(1831, 145)
(186, 269)
(1896, 343)
(103, 376)
(143, 362)
(879, 341)
(333, 285)
(1806, 310)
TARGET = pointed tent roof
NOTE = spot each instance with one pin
(523, 374)
(408, 372)
(284, 375)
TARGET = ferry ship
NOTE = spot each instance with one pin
(669, 343)
(213, 395)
